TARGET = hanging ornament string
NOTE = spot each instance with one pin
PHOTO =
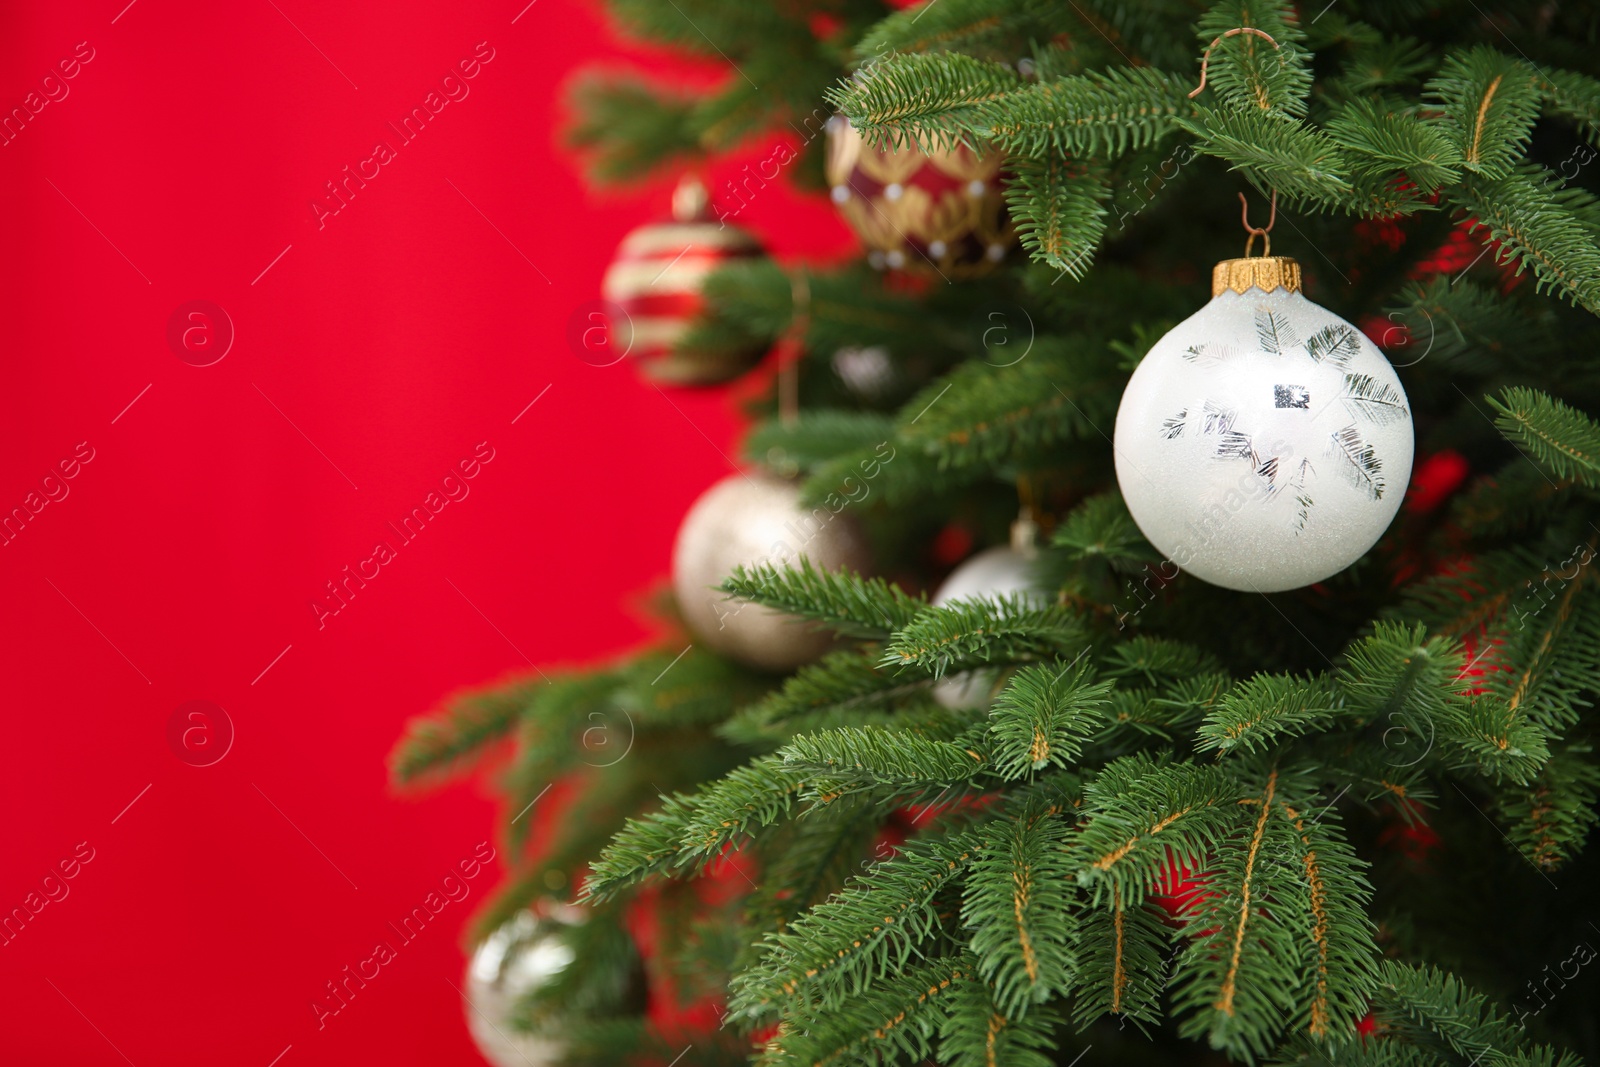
(1205, 61)
(790, 347)
(1025, 530)
(1264, 232)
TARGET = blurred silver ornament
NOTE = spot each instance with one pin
(868, 371)
(516, 960)
(1000, 571)
(751, 519)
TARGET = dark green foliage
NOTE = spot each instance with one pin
(1017, 907)
(1564, 441)
(630, 127)
(1122, 964)
(448, 740)
(1141, 820)
(1268, 707)
(1431, 1009)
(922, 100)
(999, 630)
(881, 920)
(1059, 208)
(1098, 114)
(1043, 717)
(869, 755)
(852, 605)
(1541, 228)
(1489, 103)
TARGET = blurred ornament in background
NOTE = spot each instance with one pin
(1001, 571)
(657, 280)
(867, 371)
(517, 960)
(1264, 443)
(750, 519)
(938, 213)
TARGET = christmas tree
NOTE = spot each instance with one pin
(1148, 796)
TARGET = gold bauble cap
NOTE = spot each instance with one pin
(690, 200)
(1257, 272)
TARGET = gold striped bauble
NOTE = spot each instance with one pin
(657, 278)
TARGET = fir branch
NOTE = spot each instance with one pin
(1257, 713)
(1248, 72)
(871, 929)
(1379, 139)
(1140, 818)
(1546, 668)
(1398, 671)
(1017, 907)
(925, 101)
(807, 861)
(974, 26)
(1376, 61)
(1059, 207)
(845, 679)
(1122, 964)
(1326, 901)
(982, 416)
(817, 436)
(1158, 659)
(1436, 1010)
(1234, 981)
(965, 633)
(868, 755)
(1301, 162)
(630, 127)
(977, 1033)
(1043, 717)
(1097, 539)
(1102, 114)
(695, 828)
(1496, 738)
(449, 740)
(646, 845)
(1573, 96)
(891, 1021)
(1489, 101)
(669, 689)
(847, 603)
(1550, 817)
(1472, 326)
(1538, 229)
(1564, 440)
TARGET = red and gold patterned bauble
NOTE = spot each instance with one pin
(936, 213)
(656, 279)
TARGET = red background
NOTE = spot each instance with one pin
(375, 353)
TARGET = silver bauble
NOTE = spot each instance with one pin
(994, 572)
(512, 962)
(750, 519)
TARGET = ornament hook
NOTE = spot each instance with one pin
(792, 347)
(1205, 61)
(1264, 232)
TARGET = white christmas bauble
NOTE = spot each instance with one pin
(1264, 443)
(512, 962)
(750, 519)
(994, 572)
